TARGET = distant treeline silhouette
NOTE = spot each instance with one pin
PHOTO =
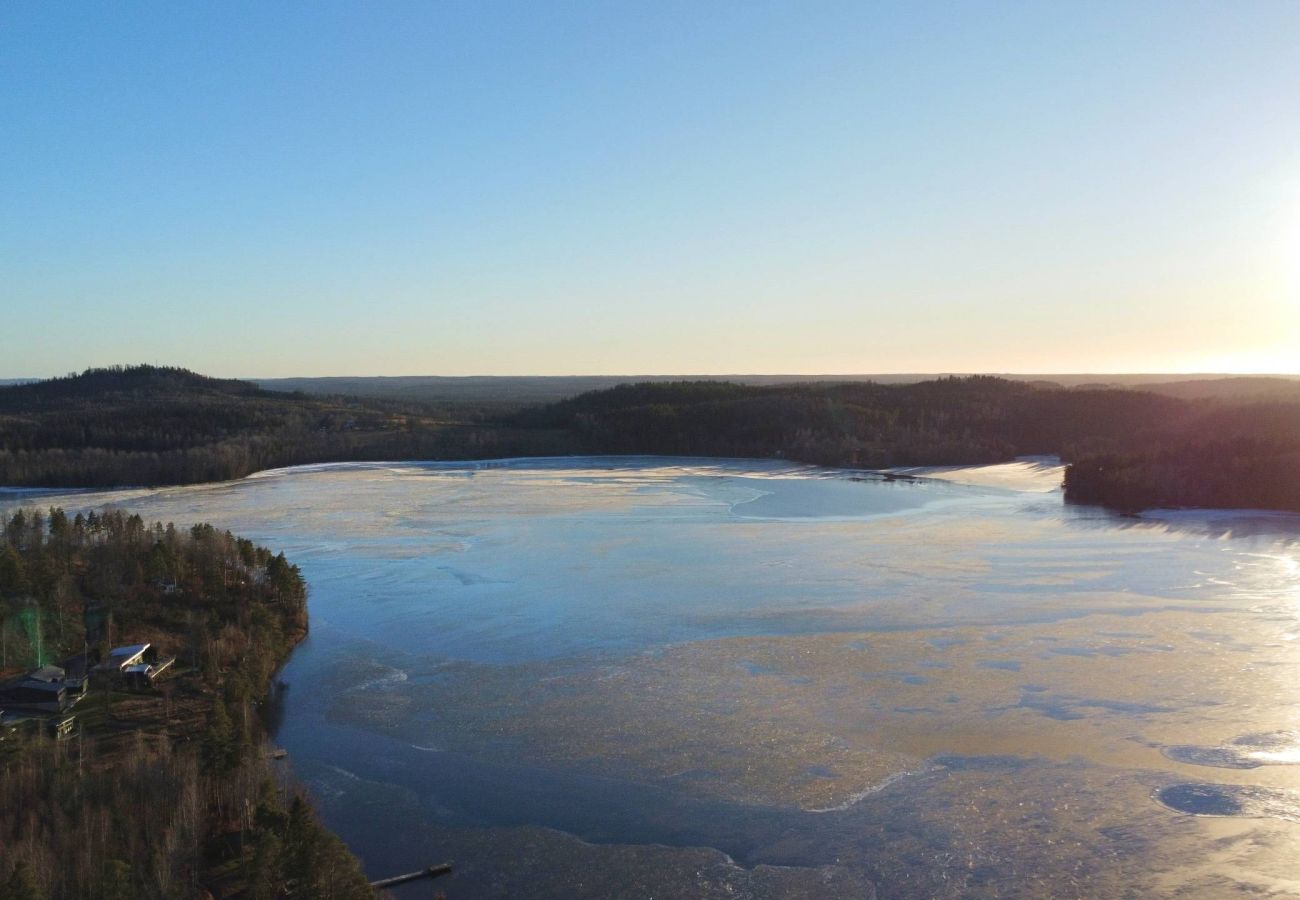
(1245, 457)
(145, 425)
(977, 419)
(1129, 448)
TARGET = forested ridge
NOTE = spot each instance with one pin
(1128, 448)
(145, 425)
(1244, 456)
(169, 792)
(977, 419)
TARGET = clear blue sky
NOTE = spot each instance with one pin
(539, 187)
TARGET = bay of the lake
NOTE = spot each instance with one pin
(684, 677)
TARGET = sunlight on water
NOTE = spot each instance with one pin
(1289, 756)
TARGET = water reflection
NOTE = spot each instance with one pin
(1216, 524)
(1246, 801)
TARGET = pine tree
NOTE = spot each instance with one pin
(116, 883)
(21, 884)
(220, 752)
(264, 877)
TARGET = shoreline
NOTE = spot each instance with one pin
(1027, 474)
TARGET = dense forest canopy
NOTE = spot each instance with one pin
(1128, 449)
(167, 793)
(196, 592)
(1219, 444)
(976, 419)
(143, 425)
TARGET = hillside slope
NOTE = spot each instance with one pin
(143, 425)
(970, 420)
(1131, 448)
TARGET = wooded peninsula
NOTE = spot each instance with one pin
(1126, 448)
(133, 756)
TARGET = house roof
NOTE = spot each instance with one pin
(47, 673)
(29, 685)
(45, 687)
(127, 652)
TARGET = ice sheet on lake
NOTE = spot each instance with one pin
(699, 653)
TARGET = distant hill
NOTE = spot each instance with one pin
(1128, 449)
(1232, 388)
(142, 425)
(123, 383)
(976, 419)
(521, 390)
(514, 391)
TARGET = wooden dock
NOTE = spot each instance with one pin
(430, 872)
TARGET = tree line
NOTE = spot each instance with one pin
(1229, 456)
(948, 421)
(146, 425)
(1127, 448)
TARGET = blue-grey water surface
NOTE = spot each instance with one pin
(669, 677)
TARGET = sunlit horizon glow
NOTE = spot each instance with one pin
(528, 189)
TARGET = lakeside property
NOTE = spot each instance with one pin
(142, 768)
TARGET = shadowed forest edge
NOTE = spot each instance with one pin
(1215, 446)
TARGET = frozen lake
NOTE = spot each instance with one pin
(668, 677)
